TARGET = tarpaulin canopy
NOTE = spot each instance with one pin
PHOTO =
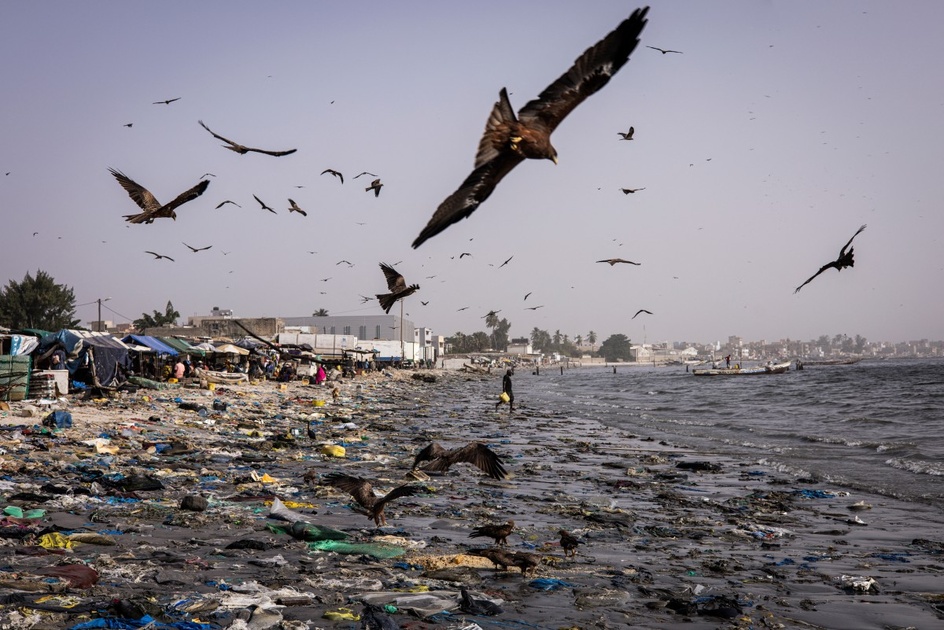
(228, 348)
(106, 352)
(153, 343)
(182, 346)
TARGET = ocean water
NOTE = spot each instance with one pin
(875, 425)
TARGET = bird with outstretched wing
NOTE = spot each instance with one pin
(508, 140)
(242, 149)
(844, 260)
(153, 209)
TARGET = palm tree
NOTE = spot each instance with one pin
(321, 312)
(578, 340)
(591, 339)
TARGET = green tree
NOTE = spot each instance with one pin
(591, 339)
(540, 340)
(168, 317)
(616, 348)
(500, 328)
(860, 342)
(37, 303)
(321, 312)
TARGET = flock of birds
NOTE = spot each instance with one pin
(438, 460)
(508, 140)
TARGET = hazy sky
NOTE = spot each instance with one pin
(780, 130)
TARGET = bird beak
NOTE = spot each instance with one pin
(554, 159)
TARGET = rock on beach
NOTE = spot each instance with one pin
(145, 509)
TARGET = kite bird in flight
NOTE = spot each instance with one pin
(196, 249)
(151, 206)
(845, 260)
(397, 286)
(370, 504)
(335, 173)
(664, 50)
(628, 135)
(642, 310)
(159, 256)
(293, 207)
(473, 453)
(508, 139)
(241, 149)
(613, 261)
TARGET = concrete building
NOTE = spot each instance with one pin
(361, 326)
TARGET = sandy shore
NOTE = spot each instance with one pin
(713, 543)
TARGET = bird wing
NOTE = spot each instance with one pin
(235, 146)
(395, 281)
(359, 489)
(155, 254)
(274, 153)
(431, 451)
(335, 173)
(590, 72)
(471, 193)
(821, 270)
(184, 197)
(842, 252)
(642, 310)
(138, 193)
(405, 490)
(191, 248)
(473, 453)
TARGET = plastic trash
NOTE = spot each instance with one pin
(375, 550)
(333, 450)
(58, 420)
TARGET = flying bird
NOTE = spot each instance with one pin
(508, 140)
(613, 261)
(845, 260)
(463, 255)
(506, 262)
(364, 173)
(461, 309)
(533, 308)
(664, 51)
(129, 125)
(568, 543)
(497, 532)
(197, 249)
(375, 186)
(223, 203)
(167, 102)
(491, 314)
(628, 135)
(349, 263)
(293, 207)
(159, 256)
(473, 453)
(264, 207)
(642, 310)
(241, 149)
(424, 303)
(363, 493)
(151, 206)
(335, 173)
(397, 286)
(629, 191)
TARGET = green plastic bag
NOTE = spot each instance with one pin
(376, 550)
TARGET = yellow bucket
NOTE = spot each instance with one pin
(211, 386)
(172, 380)
(504, 397)
(319, 403)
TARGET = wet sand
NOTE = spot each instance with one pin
(714, 543)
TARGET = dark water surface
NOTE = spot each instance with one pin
(874, 425)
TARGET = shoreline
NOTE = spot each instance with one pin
(718, 542)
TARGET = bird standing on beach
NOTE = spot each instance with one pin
(568, 543)
(375, 186)
(397, 286)
(363, 493)
(628, 135)
(844, 260)
(153, 209)
(498, 532)
(613, 261)
(508, 140)
(473, 453)
(241, 149)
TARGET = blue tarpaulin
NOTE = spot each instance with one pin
(153, 343)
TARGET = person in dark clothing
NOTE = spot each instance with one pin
(506, 389)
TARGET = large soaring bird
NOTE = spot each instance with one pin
(241, 149)
(153, 209)
(845, 260)
(371, 505)
(613, 261)
(508, 139)
(473, 453)
(397, 286)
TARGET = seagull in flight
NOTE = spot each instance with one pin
(613, 261)
(241, 149)
(844, 260)
(642, 310)
(197, 249)
(264, 207)
(159, 256)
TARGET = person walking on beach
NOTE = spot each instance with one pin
(506, 389)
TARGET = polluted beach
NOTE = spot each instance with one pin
(189, 508)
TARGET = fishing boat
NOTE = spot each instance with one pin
(773, 368)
